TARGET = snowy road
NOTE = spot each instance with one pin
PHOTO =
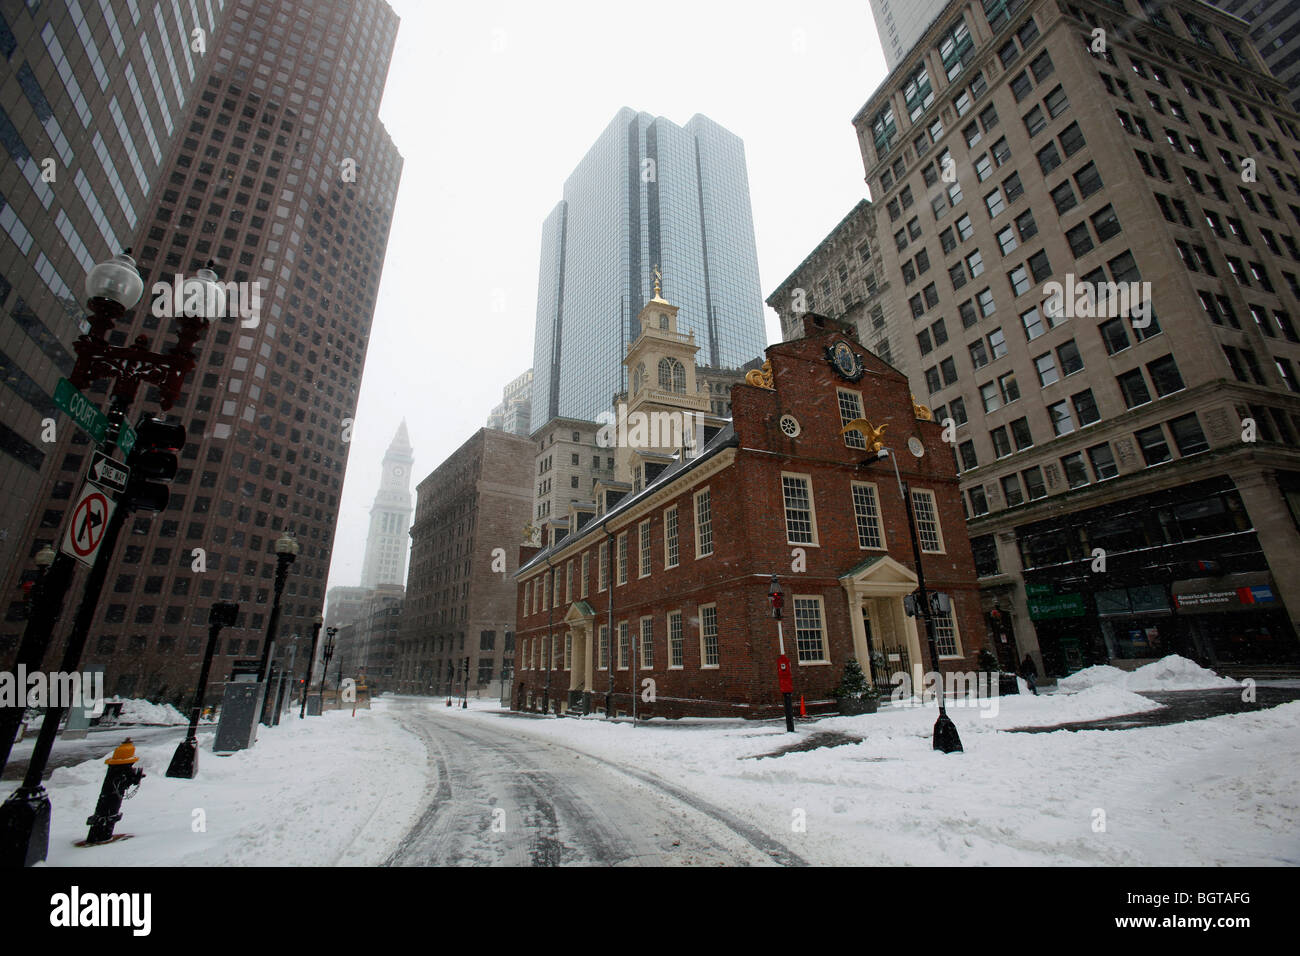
(500, 799)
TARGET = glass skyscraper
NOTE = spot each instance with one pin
(648, 193)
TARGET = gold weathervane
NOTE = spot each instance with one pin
(658, 275)
(761, 378)
(921, 411)
(864, 428)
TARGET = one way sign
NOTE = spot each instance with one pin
(108, 473)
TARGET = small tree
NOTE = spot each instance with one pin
(854, 683)
(988, 661)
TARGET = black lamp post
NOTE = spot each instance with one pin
(946, 737)
(45, 601)
(185, 762)
(112, 288)
(286, 552)
(311, 661)
(326, 654)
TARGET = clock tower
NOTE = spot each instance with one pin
(390, 517)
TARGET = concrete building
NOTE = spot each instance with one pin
(1274, 27)
(343, 605)
(470, 515)
(390, 516)
(280, 172)
(668, 582)
(649, 194)
(514, 414)
(367, 648)
(92, 99)
(900, 23)
(1128, 454)
(842, 278)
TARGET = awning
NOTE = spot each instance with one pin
(1252, 591)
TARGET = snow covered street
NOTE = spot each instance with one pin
(412, 782)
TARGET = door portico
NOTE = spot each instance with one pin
(580, 621)
(875, 591)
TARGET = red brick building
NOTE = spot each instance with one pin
(679, 569)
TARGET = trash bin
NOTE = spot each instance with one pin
(241, 706)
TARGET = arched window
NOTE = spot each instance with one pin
(638, 378)
(663, 320)
(672, 375)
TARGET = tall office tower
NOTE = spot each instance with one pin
(1118, 297)
(92, 98)
(390, 517)
(515, 410)
(1275, 31)
(900, 23)
(839, 279)
(282, 174)
(470, 515)
(648, 193)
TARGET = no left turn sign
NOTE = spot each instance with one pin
(85, 532)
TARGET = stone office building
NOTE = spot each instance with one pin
(667, 581)
(470, 515)
(1131, 475)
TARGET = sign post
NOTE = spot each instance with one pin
(784, 677)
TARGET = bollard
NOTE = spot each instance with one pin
(120, 778)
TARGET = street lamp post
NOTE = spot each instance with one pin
(286, 551)
(54, 574)
(946, 737)
(185, 762)
(311, 661)
(326, 654)
(112, 287)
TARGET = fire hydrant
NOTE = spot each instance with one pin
(119, 783)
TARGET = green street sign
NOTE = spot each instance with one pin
(1057, 606)
(83, 411)
(126, 438)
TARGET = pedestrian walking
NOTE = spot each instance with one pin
(1029, 673)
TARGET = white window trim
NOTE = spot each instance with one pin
(603, 568)
(621, 558)
(678, 524)
(705, 666)
(586, 572)
(568, 650)
(668, 637)
(608, 648)
(641, 637)
(618, 650)
(825, 638)
(880, 519)
(696, 522)
(812, 511)
(938, 525)
(848, 437)
(956, 637)
(644, 549)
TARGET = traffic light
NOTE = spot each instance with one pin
(776, 597)
(910, 603)
(152, 462)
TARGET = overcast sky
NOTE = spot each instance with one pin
(492, 104)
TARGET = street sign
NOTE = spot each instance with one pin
(126, 438)
(108, 473)
(84, 412)
(85, 532)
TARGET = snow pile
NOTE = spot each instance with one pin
(326, 791)
(1168, 673)
(138, 711)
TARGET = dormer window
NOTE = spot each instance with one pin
(663, 320)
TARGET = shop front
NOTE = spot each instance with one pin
(1236, 618)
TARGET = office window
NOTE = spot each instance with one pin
(1035, 486)
(1085, 406)
(1187, 434)
(1011, 490)
(1103, 461)
(1062, 422)
(1155, 450)
(1134, 388)
(1114, 336)
(1045, 365)
(1076, 472)
(1164, 375)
